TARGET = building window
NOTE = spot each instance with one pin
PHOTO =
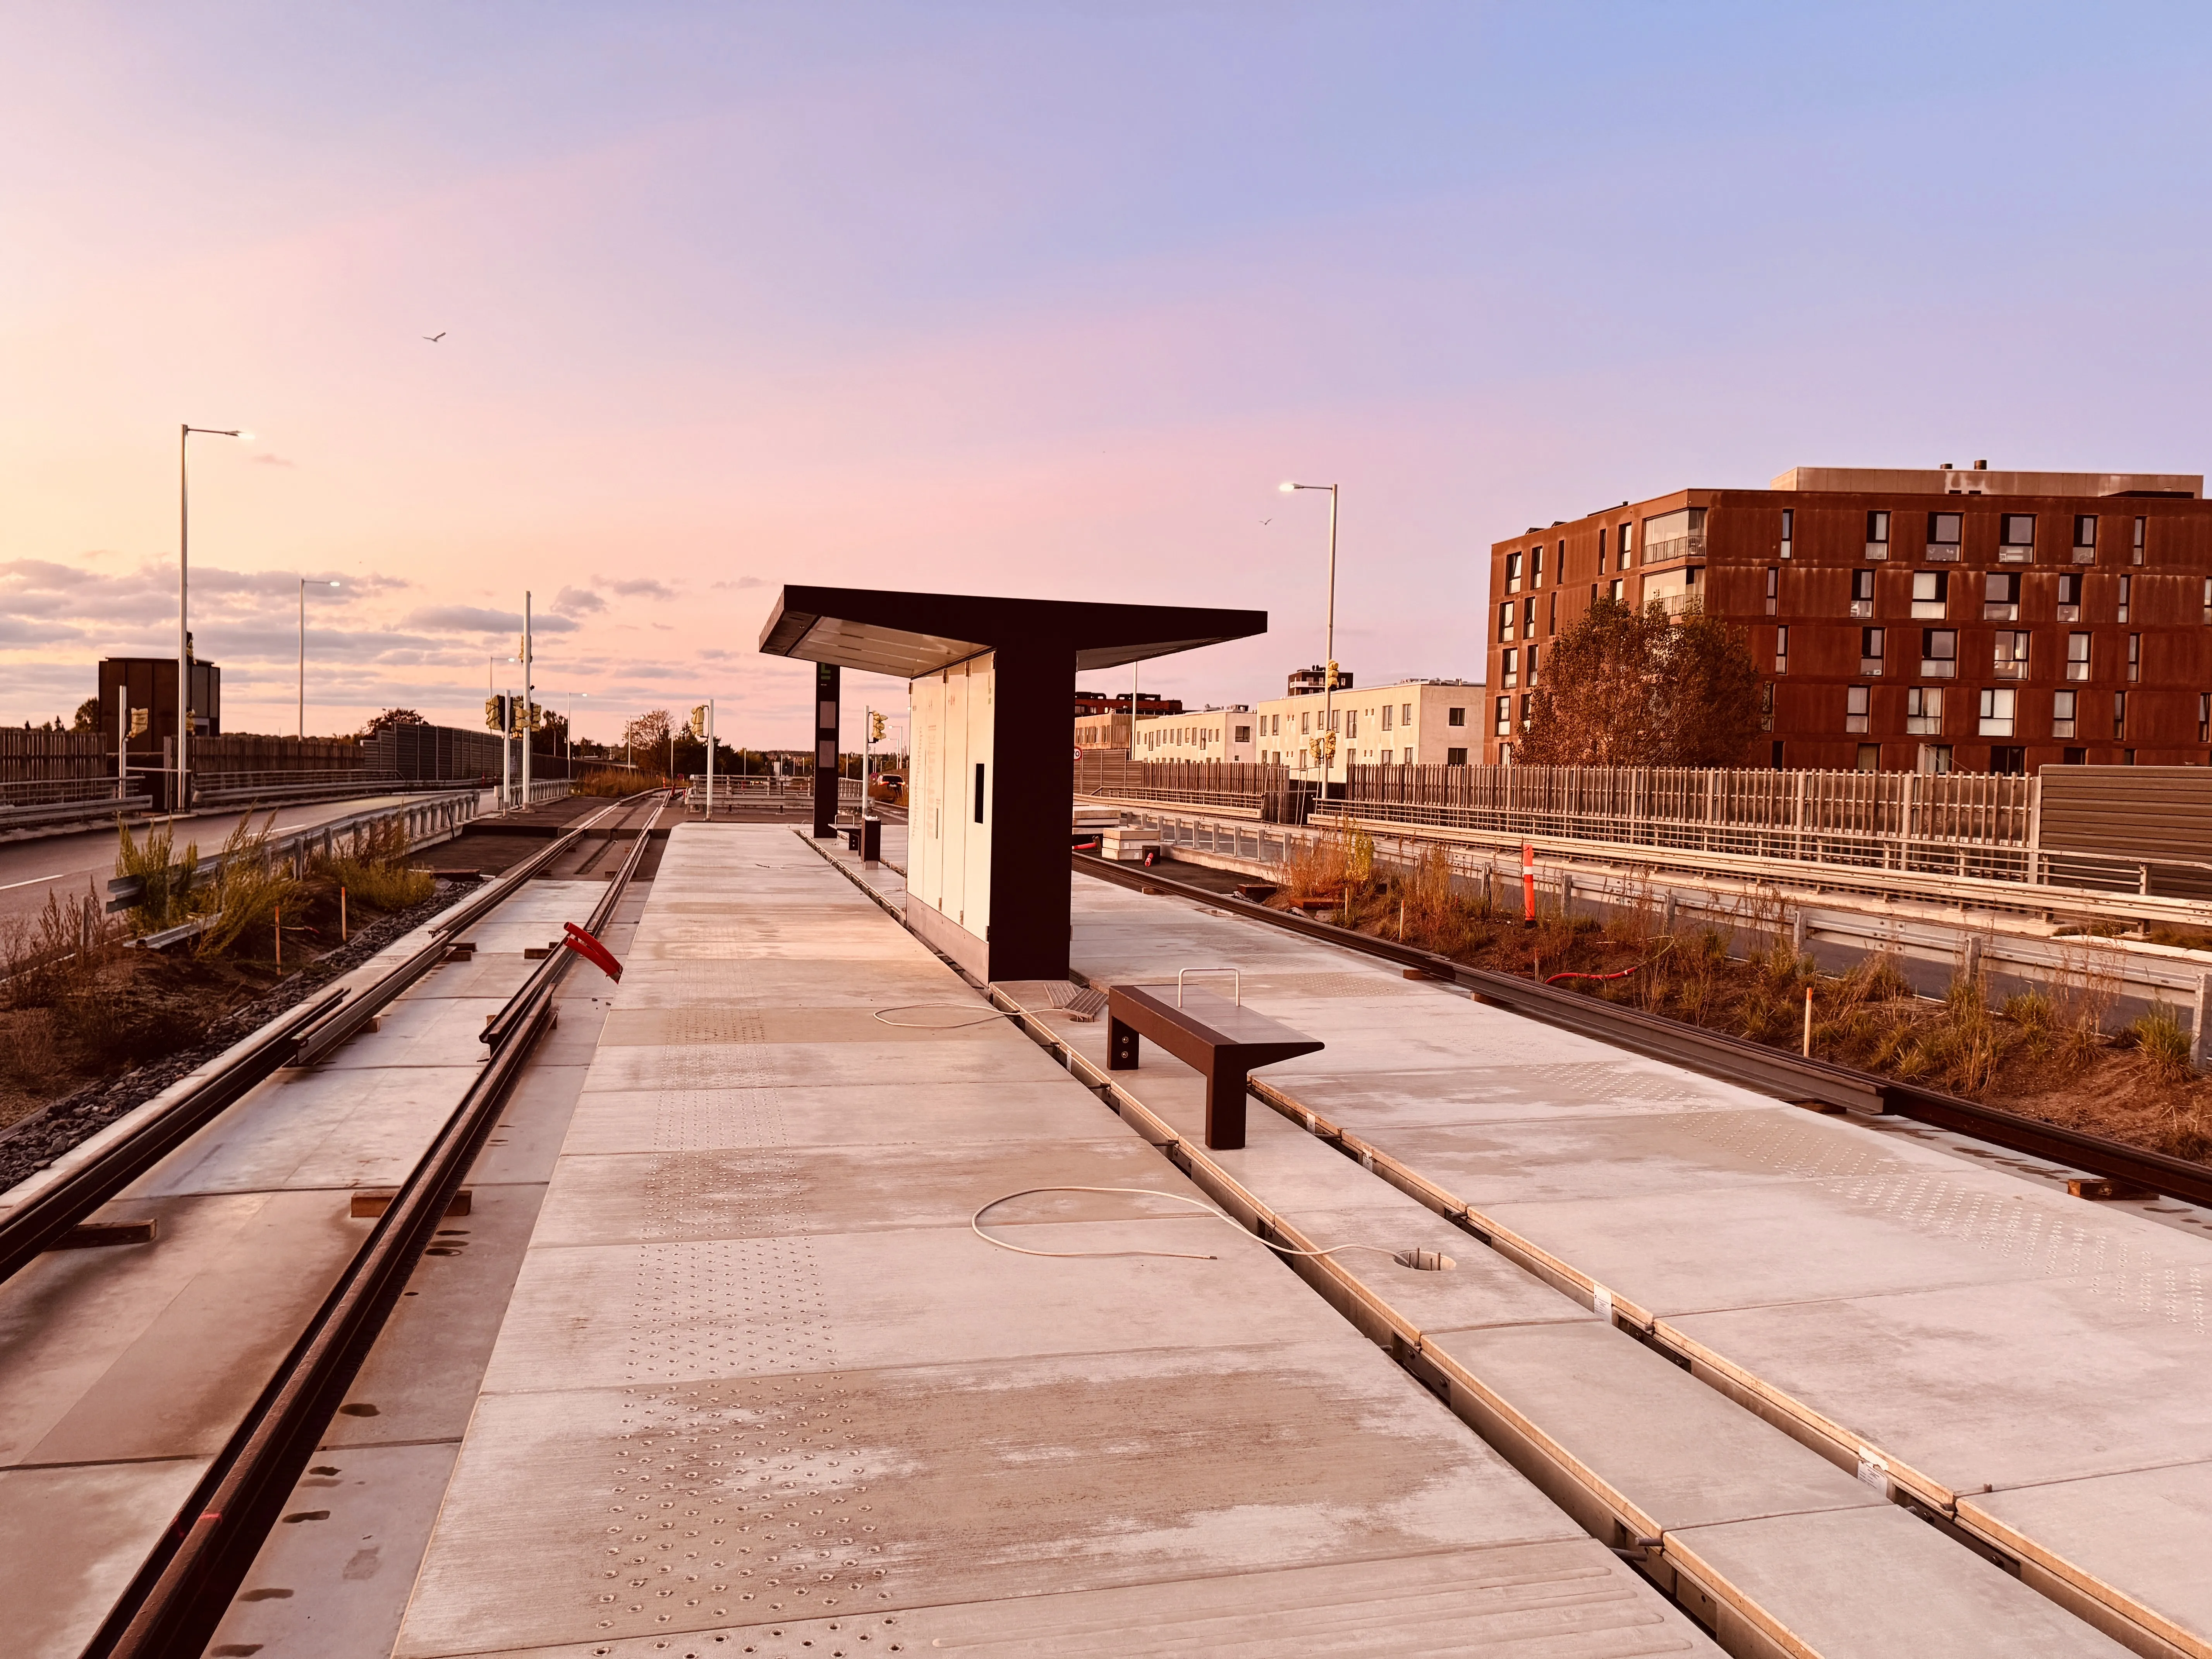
(2062, 713)
(1244, 734)
(1767, 705)
(1870, 757)
(1305, 718)
(2141, 525)
(1935, 758)
(1409, 756)
(1532, 667)
(1774, 755)
(2127, 593)
(1931, 593)
(1536, 567)
(1505, 620)
(1504, 717)
(2207, 598)
(2134, 656)
(1527, 619)
(1789, 529)
(1455, 757)
(2074, 758)
(2078, 656)
(1924, 710)
(2008, 760)
(1862, 592)
(1944, 531)
(2085, 538)
(2070, 597)
(1388, 709)
(1513, 572)
(1939, 654)
(2001, 596)
(1600, 550)
(1870, 645)
(2015, 538)
(1406, 714)
(2119, 714)
(1552, 614)
(1617, 586)
(1781, 650)
(1458, 716)
(1997, 703)
(1627, 546)
(1856, 699)
(2204, 717)
(1877, 541)
(2009, 659)
(1352, 715)
(1773, 588)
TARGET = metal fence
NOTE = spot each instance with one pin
(1957, 823)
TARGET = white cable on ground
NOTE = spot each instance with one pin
(976, 1225)
(924, 1025)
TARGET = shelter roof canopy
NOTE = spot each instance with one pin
(910, 634)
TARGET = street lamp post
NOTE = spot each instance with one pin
(184, 595)
(303, 658)
(1328, 644)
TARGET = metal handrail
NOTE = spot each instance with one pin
(455, 808)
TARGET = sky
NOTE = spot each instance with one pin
(1041, 298)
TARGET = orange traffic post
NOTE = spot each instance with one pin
(1528, 882)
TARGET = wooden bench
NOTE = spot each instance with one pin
(1219, 1039)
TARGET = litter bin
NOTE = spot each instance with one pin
(871, 840)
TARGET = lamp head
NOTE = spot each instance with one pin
(1288, 487)
(244, 437)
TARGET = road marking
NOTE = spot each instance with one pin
(35, 880)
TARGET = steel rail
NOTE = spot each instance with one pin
(182, 1590)
(39, 1223)
(1731, 1059)
(503, 1025)
(326, 1039)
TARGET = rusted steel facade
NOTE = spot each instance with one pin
(1951, 625)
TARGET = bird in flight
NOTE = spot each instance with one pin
(434, 338)
(1266, 522)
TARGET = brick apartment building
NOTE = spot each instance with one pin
(1940, 620)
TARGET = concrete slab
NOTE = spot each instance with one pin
(615, 1121)
(2137, 1538)
(869, 1489)
(70, 1541)
(333, 1580)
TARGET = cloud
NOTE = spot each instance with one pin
(742, 581)
(475, 619)
(638, 587)
(266, 459)
(579, 598)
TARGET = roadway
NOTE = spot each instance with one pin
(32, 870)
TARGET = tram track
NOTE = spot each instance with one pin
(179, 1594)
(1734, 1059)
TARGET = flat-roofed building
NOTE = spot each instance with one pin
(1197, 734)
(1949, 619)
(1411, 721)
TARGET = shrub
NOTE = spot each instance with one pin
(374, 872)
(169, 879)
(248, 889)
(2164, 1043)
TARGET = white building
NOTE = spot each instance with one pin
(1197, 734)
(1412, 722)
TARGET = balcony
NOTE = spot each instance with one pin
(1870, 666)
(1859, 608)
(1877, 551)
(2073, 613)
(1938, 668)
(2006, 668)
(1993, 612)
(1943, 552)
(1675, 605)
(2012, 554)
(1692, 546)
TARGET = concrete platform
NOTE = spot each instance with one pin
(1780, 1253)
(762, 1389)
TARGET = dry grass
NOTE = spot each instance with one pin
(169, 876)
(1314, 869)
(374, 871)
(249, 888)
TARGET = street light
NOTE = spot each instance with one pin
(184, 594)
(1328, 642)
(303, 658)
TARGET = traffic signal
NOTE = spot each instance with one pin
(499, 714)
(875, 728)
(699, 722)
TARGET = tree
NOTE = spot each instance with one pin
(1623, 688)
(1593, 704)
(1708, 693)
(648, 734)
(86, 718)
(390, 717)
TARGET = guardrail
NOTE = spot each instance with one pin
(427, 823)
(83, 809)
(540, 793)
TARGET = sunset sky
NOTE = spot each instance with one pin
(1033, 298)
